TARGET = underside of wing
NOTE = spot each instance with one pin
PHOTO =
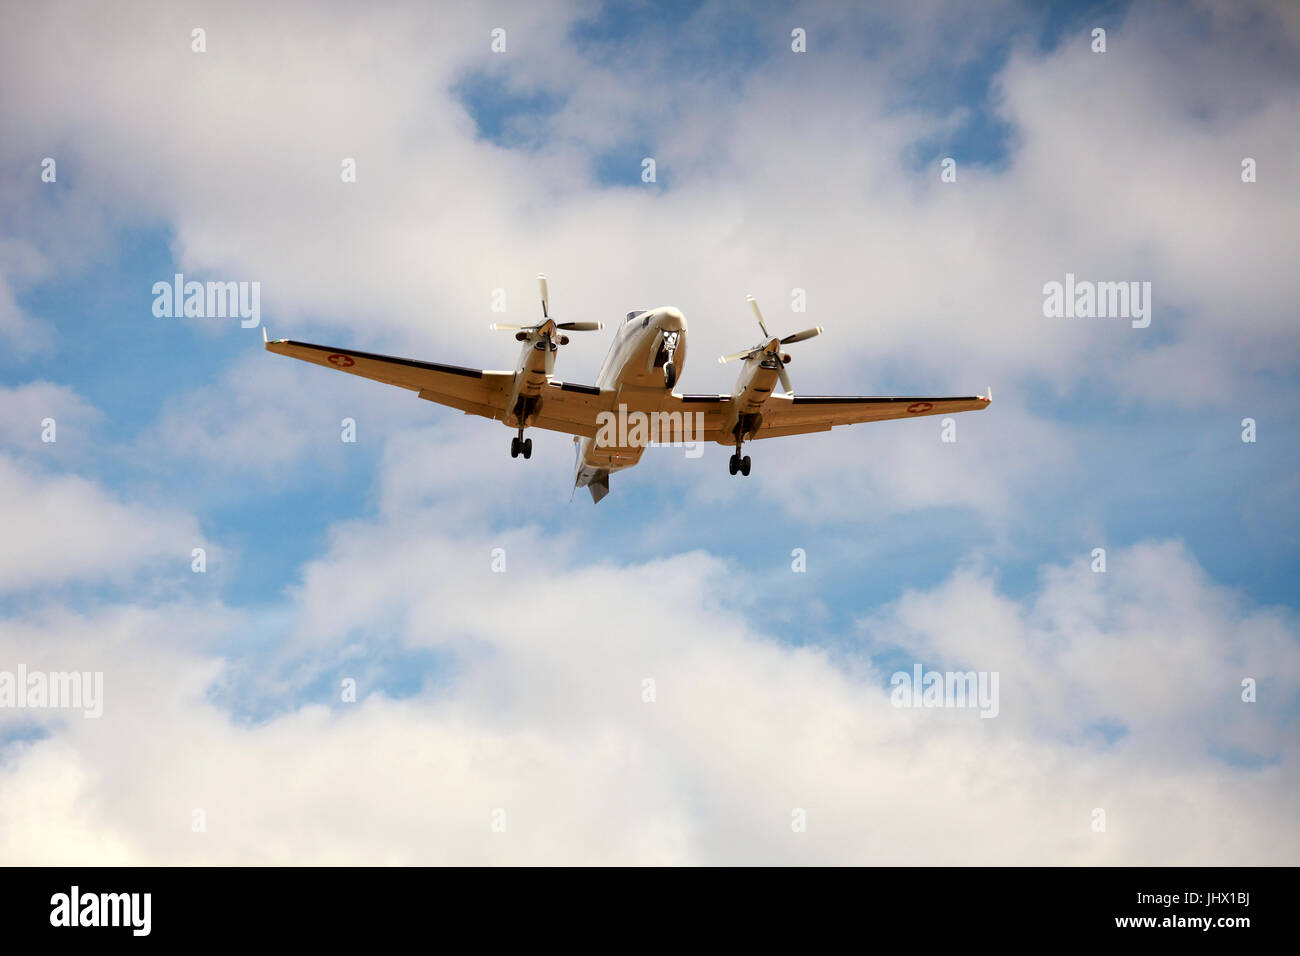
(471, 390)
(565, 407)
(708, 411)
(572, 409)
(468, 384)
(800, 414)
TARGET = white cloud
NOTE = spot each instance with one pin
(542, 715)
(19, 263)
(1152, 644)
(1120, 167)
(60, 528)
(24, 410)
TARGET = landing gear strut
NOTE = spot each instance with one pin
(670, 367)
(737, 463)
(519, 445)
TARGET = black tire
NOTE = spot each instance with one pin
(744, 466)
(670, 375)
(528, 448)
(514, 447)
(733, 465)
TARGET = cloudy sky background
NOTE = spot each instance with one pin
(523, 690)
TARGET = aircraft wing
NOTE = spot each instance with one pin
(800, 414)
(565, 407)
(786, 415)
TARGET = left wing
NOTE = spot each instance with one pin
(801, 414)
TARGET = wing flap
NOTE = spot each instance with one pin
(572, 409)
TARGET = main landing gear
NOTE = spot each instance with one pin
(738, 464)
(519, 445)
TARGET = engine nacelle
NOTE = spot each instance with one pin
(753, 388)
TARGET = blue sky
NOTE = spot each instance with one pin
(776, 170)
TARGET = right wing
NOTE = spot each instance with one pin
(566, 407)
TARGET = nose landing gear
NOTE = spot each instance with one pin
(670, 368)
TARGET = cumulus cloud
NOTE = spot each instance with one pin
(61, 528)
(1109, 152)
(544, 716)
(1119, 691)
(267, 418)
(19, 263)
(1117, 168)
(25, 409)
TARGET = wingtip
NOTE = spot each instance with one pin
(264, 338)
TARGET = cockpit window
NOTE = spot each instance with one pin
(633, 315)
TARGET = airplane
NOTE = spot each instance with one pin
(644, 363)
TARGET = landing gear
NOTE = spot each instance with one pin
(739, 464)
(669, 350)
(519, 445)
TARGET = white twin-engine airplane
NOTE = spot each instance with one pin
(636, 380)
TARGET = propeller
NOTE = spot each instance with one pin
(546, 320)
(771, 349)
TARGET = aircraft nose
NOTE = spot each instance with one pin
(671, 319)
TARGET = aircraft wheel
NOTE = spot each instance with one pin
(528, 448)
(670, 375)
(514, 447)
(733, 465)
(744, 466)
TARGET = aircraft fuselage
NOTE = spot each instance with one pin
(634, 371)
